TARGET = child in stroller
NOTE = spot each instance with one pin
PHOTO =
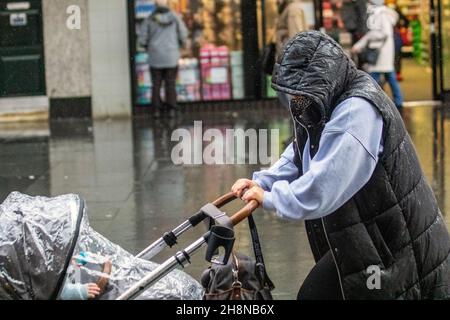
(49, 251)
(80, 288)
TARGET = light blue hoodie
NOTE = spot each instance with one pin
(348, 153)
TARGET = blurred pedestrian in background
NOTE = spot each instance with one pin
(354, 16)
(380, 23)
(402, 23)
(291, 20)
(163, 34)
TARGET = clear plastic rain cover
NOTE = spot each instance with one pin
(49, 251)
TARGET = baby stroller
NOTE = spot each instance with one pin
(47, 244)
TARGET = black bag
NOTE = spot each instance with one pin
(268, 57)
(369, 56)
(242, 278)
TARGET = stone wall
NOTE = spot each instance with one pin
(67, 52)
(108, 22)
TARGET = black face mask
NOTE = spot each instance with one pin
(305, 112)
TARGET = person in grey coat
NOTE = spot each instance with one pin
(163, 34)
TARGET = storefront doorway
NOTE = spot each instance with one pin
(21, 49)
(219, 61)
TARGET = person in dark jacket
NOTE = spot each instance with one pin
(353, 175)
(402, 23)
(163, 34)
(354, 16)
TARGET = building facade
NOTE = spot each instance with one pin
(80, 58)
(64, 58)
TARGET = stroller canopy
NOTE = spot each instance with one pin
(36, 237)
(39, 238)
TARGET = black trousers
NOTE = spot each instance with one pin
(169, 76)
(322, 283)
(398, 62)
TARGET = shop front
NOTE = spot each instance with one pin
(423, 61)
(219, 60)
(267, 22)
(21, 49)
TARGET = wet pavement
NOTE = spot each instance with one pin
(135, 193)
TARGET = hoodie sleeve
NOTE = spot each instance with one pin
(346, 159)
(283, 169)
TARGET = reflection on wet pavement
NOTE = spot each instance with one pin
(134, 193)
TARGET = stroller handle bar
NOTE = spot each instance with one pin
(182, 258)
(170, 238)
(242, 214)
(224, 200)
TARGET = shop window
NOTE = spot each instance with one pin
(211, 67)
(268, 18)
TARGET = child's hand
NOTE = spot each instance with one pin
(240, 185)
(255, 193)
(93, 290)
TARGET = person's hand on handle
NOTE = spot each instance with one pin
(93, 290)
(254, 193)
(241, 185)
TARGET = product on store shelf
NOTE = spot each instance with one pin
(216, 74)
(205, 67)
(144, 8)
(144, 84)
(215, 68)
(188, 80)
(144, 96)
(417, 39)
(225, 86)
(237, 74)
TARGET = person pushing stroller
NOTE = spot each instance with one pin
(353, 175)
